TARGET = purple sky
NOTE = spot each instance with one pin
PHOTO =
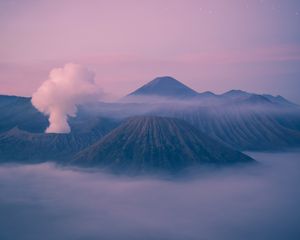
(214, 45)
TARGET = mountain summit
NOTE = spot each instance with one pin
(167, 87)
(151, 144)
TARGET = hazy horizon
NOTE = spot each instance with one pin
(111, 97)
(208, 45)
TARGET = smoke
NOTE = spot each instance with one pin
(59, 96)
(255, 202)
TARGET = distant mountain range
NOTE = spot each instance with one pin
(236, 119)
(168, 88)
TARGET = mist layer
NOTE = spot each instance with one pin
(45, 202)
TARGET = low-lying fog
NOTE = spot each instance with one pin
(45, 202)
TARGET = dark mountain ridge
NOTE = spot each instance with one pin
(18, 111)
(168, 88)
(150, 144)
(243, 128)
(244, 121)
(23, 146)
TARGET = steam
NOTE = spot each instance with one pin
(59, 96)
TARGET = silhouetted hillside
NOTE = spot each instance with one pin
(146, 144)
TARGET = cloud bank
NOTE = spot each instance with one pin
(59, 96)
(45, 202)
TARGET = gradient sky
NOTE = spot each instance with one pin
(214, 45)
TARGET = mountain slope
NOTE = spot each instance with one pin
(18, 111)
(243, 128)
(22, 146)
(149, 144)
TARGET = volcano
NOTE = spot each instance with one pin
(166, 87)
(150, 143)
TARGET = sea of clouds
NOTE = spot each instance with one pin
(44, 201)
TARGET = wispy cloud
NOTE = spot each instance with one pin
(256, 55)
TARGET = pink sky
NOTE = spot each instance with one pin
(210, 45)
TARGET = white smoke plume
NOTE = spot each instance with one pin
(59, 96)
